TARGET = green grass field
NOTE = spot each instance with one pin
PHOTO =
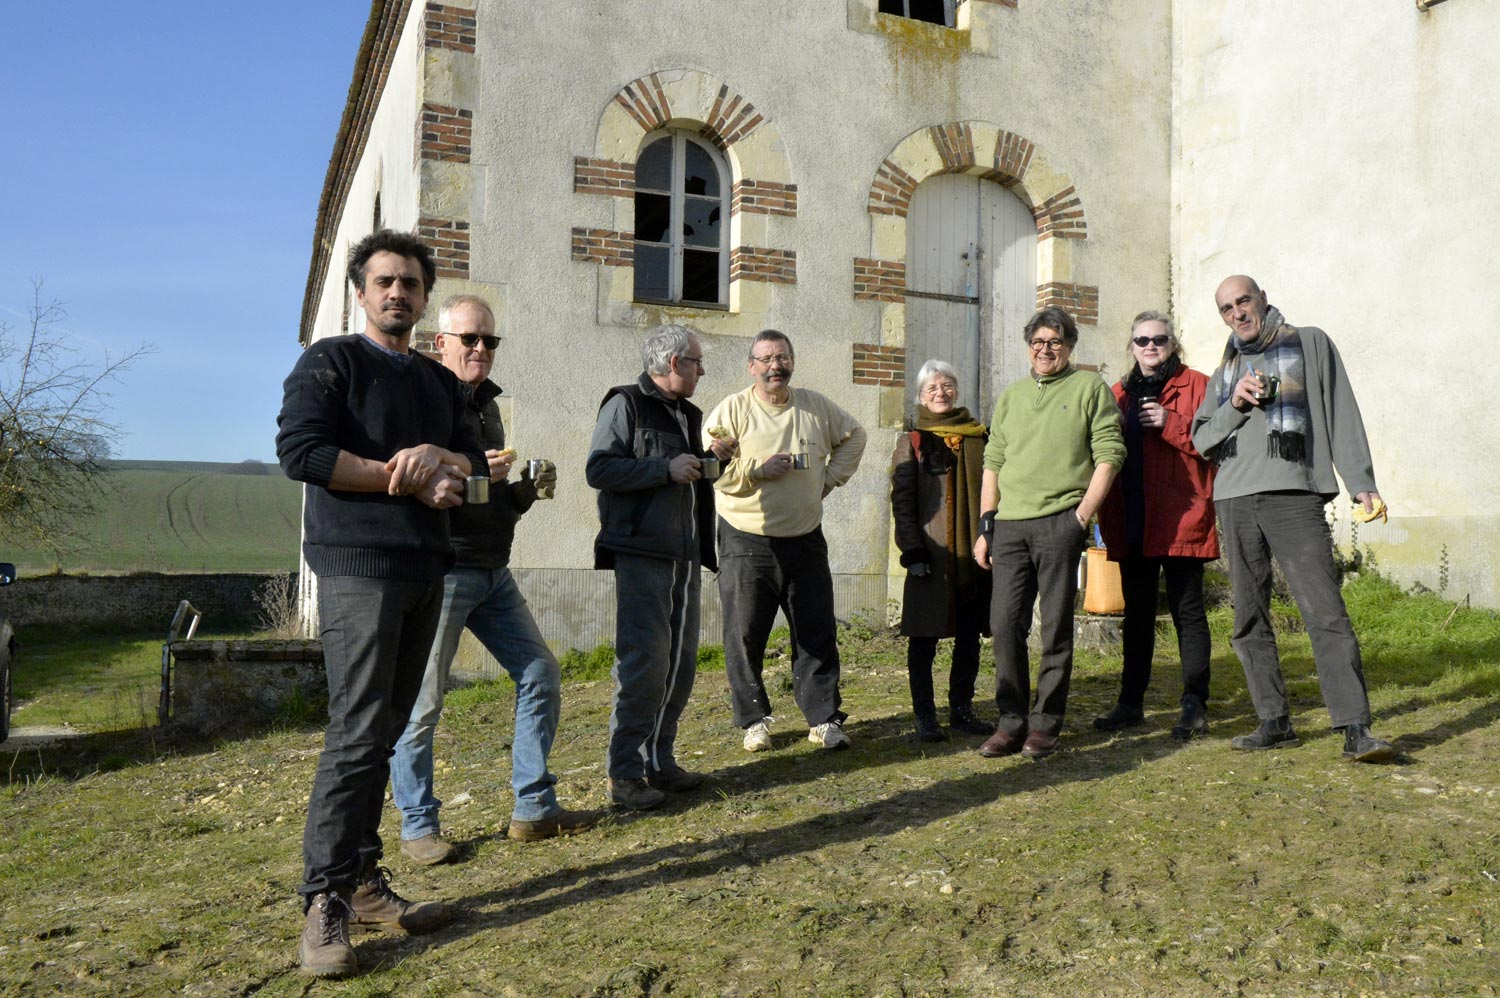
(179, 516)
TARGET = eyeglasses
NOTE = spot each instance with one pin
(1037, 346)
(1159, 340)
(683, 358)
(470, 340)
(775, 359)
(937, 388)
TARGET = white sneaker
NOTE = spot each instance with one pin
(828, 735)
(758, 735)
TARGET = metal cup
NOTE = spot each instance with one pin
(477, 490)
(799, 461)
(1271, 384)
(534, 467)
(709, 465)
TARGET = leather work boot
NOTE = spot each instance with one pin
(1275, 733)
(1194, 720)
(428, 850)
(675, 781)
(1120, 716)
(375, 905)
(1361, 746)
(1002, 743)
(325, 949)
(635, 795)
(564, 822)
(1039, 745)
(963, 719)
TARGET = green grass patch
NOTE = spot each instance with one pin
(1125, 864)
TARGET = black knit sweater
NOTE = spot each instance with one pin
(345, 393)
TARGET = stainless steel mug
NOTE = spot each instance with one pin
(799, 461)
(710, 467)
(477, 490)
(534, 467)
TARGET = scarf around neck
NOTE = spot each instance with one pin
(1276, 351)
(954, 429)
(1137, 384)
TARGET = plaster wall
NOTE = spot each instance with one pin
(1343, 153)
(1084, 80)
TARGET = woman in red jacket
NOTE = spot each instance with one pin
(1159, 520)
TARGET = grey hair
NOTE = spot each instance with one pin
(935, 368)
(662, 344)
(1152, 315)
(445, 314)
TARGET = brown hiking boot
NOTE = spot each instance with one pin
(375, 905)
(325, 949)
(428, 850)
(564, 822)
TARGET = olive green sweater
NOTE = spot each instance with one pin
(1047, 437)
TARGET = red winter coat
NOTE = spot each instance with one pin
(1179, 484)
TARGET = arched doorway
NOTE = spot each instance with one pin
(970, 284)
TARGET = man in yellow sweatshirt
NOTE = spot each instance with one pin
(794, 447)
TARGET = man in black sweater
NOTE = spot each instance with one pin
(481, 594)
(377, 434)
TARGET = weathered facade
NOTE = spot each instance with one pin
(886, 190)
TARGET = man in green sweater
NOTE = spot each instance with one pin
(1055, 446)
(1279, 417)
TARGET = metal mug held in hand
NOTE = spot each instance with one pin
(477, 490)
(799, 461)
(709, 466)
(534, 467)
(1271, 384)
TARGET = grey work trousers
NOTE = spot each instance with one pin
(1290, 527)
(656, 661)
(1031, 558)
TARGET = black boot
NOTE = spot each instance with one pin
(928, 729)
(1361, 746)
(1194, 720)
(1275, 733)
(1120, 716)
(964, 719)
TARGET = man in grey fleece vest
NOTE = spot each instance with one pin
(1278, 419)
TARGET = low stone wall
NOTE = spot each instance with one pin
(145, 601)
(229, 685)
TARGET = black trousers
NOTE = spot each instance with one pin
(376, 637)
(758, 576)
(920, 653)
(1141, 578)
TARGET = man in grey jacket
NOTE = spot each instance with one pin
(1278, 419)
(656, 513)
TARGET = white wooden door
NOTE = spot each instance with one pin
(971, 285)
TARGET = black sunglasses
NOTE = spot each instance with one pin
(1160, 340)
(470, 339)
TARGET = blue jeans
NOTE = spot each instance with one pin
(489, 603)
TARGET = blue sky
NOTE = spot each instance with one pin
(160, 169)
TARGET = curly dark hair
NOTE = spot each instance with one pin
(1052, 317)
(390, 241)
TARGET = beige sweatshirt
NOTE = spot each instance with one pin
(792, 505)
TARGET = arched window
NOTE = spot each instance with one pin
(681, 222)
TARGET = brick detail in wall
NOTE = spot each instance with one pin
(450, 27)
(768, 266)
(879, 280)
(1061, 215)
(955, 143)
(891, 192)
(613, 249)
(764, 197)
(603, 176)
(1081, 301)
(449, 239)
(1012, 157)
(445, 133)
(878, 365)
(645, 101)
(731, 119)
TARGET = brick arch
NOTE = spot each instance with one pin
(761, 174)
(982, 149)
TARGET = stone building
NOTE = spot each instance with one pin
(890, 180)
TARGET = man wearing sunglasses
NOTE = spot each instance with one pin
(1278, 419)
(480, 593)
